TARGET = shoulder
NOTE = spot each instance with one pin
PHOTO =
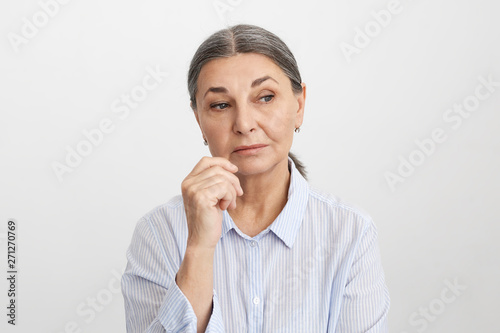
(341, 215)
(162, 231)
(172, 206)
(168, 215)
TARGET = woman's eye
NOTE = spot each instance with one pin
(219, 106)
(267, 98)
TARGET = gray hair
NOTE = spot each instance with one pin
(245, 38)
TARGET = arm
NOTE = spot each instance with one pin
(366, 301)
(208, 190)
(195, 279)
(153, 301)
(183, 299)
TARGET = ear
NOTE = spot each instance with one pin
(195, 112)
(301, 100)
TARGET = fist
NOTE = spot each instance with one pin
(210, 188)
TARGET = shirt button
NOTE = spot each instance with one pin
(253, 243)
(256, 300)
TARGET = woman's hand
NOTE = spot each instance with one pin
(210, 188)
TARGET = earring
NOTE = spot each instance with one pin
(205, 142)
(297, 130)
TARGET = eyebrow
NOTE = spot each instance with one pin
(255, 83)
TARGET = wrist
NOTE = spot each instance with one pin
(196, 271)
(197, 262)
(199, 248)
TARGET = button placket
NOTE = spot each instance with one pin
(256, 307)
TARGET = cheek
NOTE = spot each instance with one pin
(214, 126)
(280, 123)
(217, 133)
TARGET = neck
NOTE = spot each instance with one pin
(264, 197)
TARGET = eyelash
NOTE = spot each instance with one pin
(215, 106)
(272, 97)
(218, 105)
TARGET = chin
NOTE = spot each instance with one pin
(254, 165)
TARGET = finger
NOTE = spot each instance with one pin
(232, 205)
(225, 194)
(212, 190)
(209, 162)
(224, 204)
(214, 175)
(230, 177)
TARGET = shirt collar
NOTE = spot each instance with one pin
(288, 222)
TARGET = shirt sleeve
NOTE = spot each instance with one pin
(153, 301)
(366, 301)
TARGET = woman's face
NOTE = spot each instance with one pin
(247, 111)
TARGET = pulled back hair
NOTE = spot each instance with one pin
(245, 38)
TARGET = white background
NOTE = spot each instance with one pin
(439, 224)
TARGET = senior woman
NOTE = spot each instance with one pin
(249, 246)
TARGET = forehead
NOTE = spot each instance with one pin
(242, 68)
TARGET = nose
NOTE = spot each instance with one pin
(244, 121)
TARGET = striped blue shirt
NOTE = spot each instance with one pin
(316, 268)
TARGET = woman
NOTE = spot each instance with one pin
(249, 246)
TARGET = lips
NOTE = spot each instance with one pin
(248, 148)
